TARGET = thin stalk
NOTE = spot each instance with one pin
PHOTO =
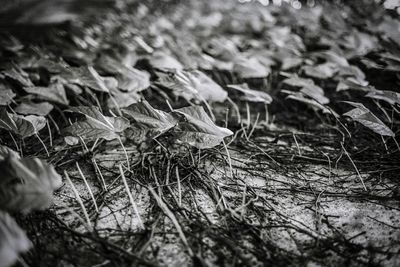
(79, 199)
(87, 186)
(128, 191)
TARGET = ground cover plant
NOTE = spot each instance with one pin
(200, 133)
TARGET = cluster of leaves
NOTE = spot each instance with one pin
(91, 82)
(26, 184)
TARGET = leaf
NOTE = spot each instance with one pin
(129, 79)
(161, 60)
(121, 99)
(388, 96)
(96, 124)
(247, 68)
(19, 76)
(88, 76)
(322, 71)
(30, 108)
(364, 116)
(192, 85)
(146, 118)
(197, 129)
(13, 240)
(27, 184)
(6, 95)
(296, 81)
(54, 93)
(23, 126)
(308, 88)
(299, 96)
(251, 95)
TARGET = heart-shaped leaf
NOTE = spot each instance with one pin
(322, 71)
(161, 60)
(88, 76)
(248, 68)
(148, 119)
(192, 85)
(6, 95)
(30, 108)
(27, 184)
(364, 116)
(388, 96)
(129, 79)
(197, 129)
(54, 93)
(23, 126)
(13, 240)
(96, 124)
(18, 76)
(301, 97)
(251, 95)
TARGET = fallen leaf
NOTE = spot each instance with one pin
(23, 126)
(6, 95)
(161, 60)
(364, 116)
(388, 96)
(148, 119)
(247, 68)
(251, 95)
(88, 76)
(54, 93)
(30, 108)
(96, 125)
(129, 79)
(197, 129)
(192, 85)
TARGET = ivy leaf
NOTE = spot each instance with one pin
(308, 88)
(88, 76)
(19, 76)
(251, 95)
(364, 116)
(27, 184)
(13, 240)
(148, 119)
(388, 96)
(197, 129)
(299, 96)
(296, 81)
(30, 108)
(129, 79)
(54, 93)
(322, 71)
(96, 124)
(6, 95)
(161, 60)
(248, 68)
(23, 126)
(192, 85)
(121, 99)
